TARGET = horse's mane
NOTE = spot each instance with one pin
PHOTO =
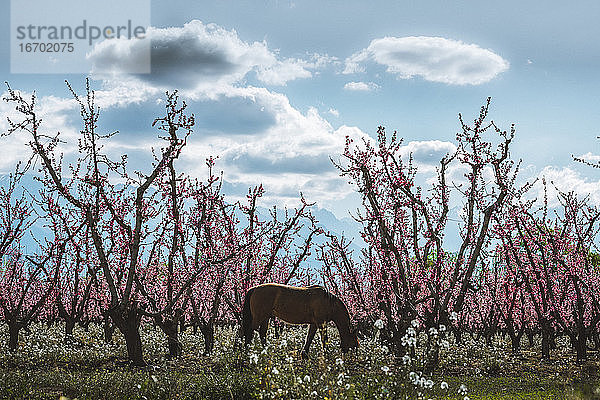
(330, 295)
(333, 299)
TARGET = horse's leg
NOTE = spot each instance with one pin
(312, 329)
(323, 334)
(248, 335)
(263, 331)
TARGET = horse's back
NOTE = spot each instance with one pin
(295, 305)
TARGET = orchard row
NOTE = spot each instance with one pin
(119, 247)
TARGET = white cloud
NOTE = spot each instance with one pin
(334, 112)
(434, 59)
(353, 63)
(257, 134)
(279, 73)
(565, 179)
(427, 153)
(197, 55)
(290, 156)
(589, 157)
(56, 115)
(361, 86)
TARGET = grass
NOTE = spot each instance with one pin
(45, 367)
(124, 384)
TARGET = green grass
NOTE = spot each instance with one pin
(45, 368)
(497, 388)
(122, 384)
(51, 384)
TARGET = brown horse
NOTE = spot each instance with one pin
(296, 305)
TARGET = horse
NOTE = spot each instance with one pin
(312, 305)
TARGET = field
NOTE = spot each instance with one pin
(47, 366)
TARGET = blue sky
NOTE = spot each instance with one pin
(276, 85)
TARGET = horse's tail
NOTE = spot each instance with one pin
(247, 316)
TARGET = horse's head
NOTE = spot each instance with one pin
(350, 341)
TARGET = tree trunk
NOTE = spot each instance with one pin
(13, 334)
(581, 346)
(530, 335)
(489, 335)
(546, 341)
(69, 325)
(175, 347)
(515, 343)
(208, 332)
(134, 344)
(515, 337)
(169, 327)
(432, 356)
(109, 329)
(553, 340)
(128, 319)
(457, 336)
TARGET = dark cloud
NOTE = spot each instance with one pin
(182, 62)
(196, 55)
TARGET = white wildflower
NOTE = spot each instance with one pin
(412, 341)
(444, 385)
(379, 324)
(385, 369)
(414, 378)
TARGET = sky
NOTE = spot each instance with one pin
(277, 85)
